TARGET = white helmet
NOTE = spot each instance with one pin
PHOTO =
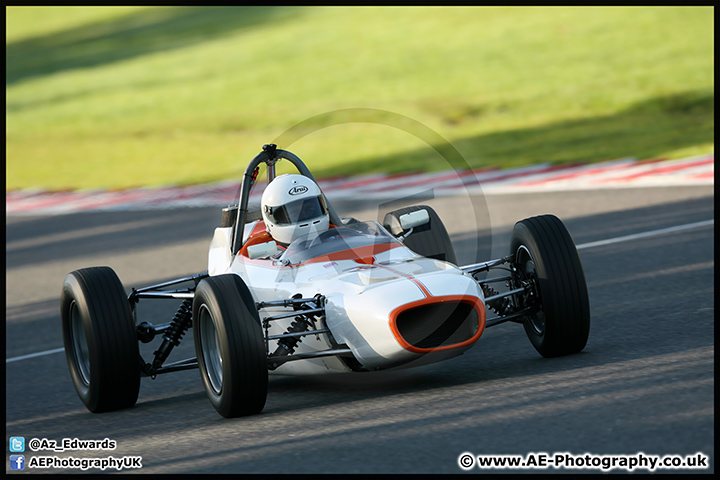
(294, 206)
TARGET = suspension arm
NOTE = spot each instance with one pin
(276, 361)
(175, 294)
(507, 294)
(155, 291)
(491, 322)
(188, 364)
(485, 266)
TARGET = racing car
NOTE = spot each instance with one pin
(298, 290)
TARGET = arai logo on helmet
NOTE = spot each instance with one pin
(298, 190)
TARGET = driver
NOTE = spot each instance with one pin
(293, 206)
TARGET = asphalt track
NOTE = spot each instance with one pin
(643, 385)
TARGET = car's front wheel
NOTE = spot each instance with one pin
(100, 341)
(547, 261)
(230, 346)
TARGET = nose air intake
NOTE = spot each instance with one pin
(438, 325)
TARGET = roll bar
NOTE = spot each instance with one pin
(270, 156)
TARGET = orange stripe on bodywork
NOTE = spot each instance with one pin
(410, 277)
(364, 255)
(360, 254)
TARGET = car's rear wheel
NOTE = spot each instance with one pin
(547, 260)
(100, 341)
(230, 346)
(430, 240)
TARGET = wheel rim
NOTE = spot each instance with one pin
(526, 268)
(212, 357)
(80, 352)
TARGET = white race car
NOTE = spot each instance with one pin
(356, 297)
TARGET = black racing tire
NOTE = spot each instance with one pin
(101, 344)
(430, 240)
(230, 346)
(546, 255)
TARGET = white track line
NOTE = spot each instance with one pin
(599, 243)
(33, 355)
(677, 228)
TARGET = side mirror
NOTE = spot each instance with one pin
(262, 250)
(414, 219)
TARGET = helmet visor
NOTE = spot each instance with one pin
(298, 211)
